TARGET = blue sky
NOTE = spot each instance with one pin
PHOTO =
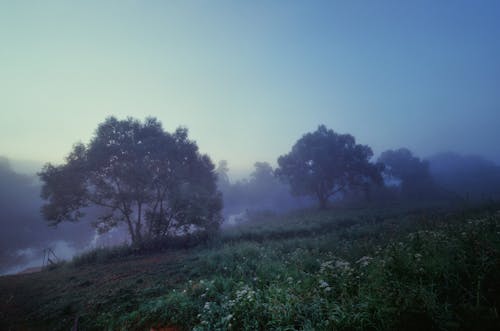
(248, 78)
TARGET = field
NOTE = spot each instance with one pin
(391, 268)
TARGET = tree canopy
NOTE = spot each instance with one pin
(324, 163)
(414, 174)
(156, 183)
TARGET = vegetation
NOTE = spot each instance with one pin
(350, 269)
(384, 267)
(262, 191)
(155, 182)
(324, 163)
(413, 174)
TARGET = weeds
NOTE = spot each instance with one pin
(384, 271)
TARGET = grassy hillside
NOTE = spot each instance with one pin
(350, 269)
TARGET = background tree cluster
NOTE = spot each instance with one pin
(261, 192)
(324, 165)
(158, 184)
(468, 177)
(410, 172)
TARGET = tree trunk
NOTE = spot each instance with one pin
(130, 230)
(138, 225)
(323, 202)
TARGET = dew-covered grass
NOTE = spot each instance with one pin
(354, 269)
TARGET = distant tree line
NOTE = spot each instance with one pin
(261, 193)
(325, 166)
(158, 185)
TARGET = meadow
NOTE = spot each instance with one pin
(396, 267)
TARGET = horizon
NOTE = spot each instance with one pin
(32, 167)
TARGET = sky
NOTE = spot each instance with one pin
(249, 78)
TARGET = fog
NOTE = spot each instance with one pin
(417, 83)
(469, 176)
(25, 234)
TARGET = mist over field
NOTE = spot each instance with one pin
(264, 165)
(27, 235)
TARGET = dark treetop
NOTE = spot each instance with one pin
(324, 163)
(156, 183)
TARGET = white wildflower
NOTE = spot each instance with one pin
(323, 284)
(364, 261)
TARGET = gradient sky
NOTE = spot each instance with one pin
(248, 78)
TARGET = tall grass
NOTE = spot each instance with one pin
(371, 269)
(432, 274)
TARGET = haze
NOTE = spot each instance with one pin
(248, 79)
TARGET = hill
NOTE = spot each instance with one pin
(345, 269)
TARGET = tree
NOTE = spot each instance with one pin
(324, 163)
(222, 175)
(469, 176)
(263, 173)
(413, 173)
(155, 182)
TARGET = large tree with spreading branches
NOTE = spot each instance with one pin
(324, 163)
(156, 183)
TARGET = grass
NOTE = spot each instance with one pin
(352, 269)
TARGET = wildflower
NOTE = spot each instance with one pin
(343, 266)
(323, 284)
(326, 265)
(364, 261)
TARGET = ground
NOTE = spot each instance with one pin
(377, 268)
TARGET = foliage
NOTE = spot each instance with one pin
(261, 191)
(155, 182)
(377, 269)
(470, 177)
(414, 174)
(324, 163)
